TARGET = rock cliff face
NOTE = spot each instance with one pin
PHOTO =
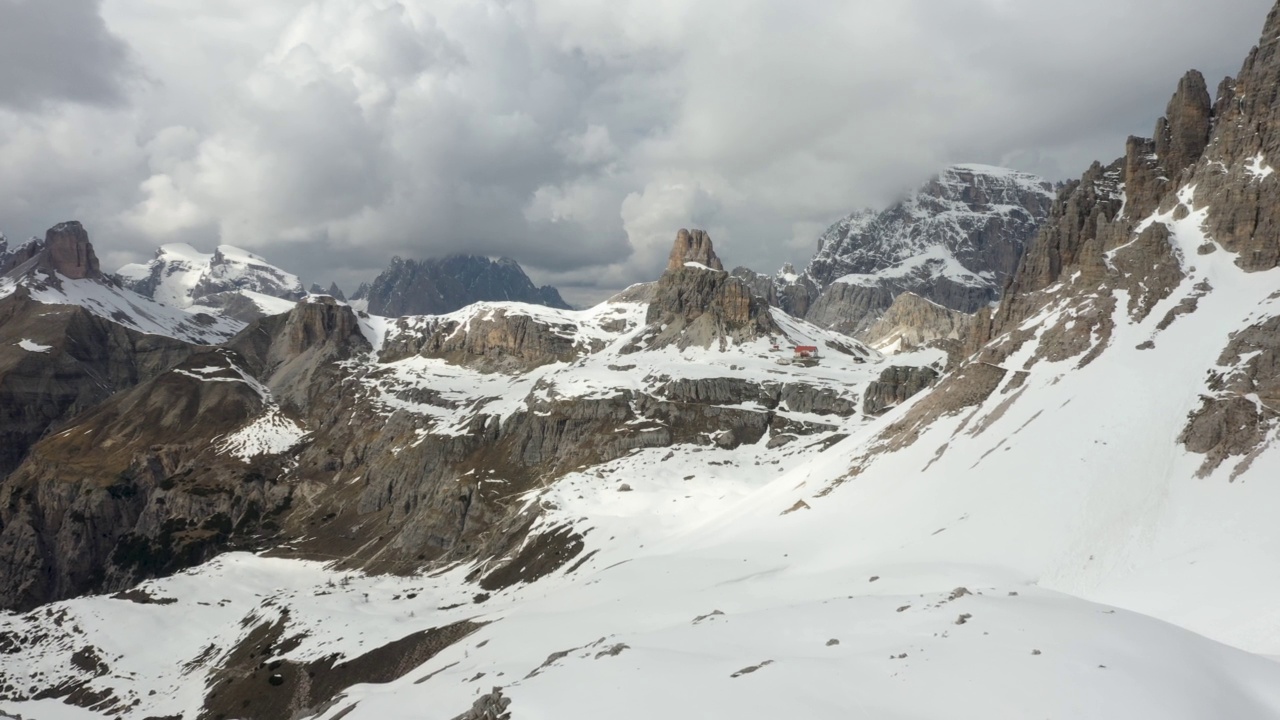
(1129, 239)
(65, 250)
(57, 361)
(693, 246)
(441, 286)
(912, 322)
(496, 338)
(697, 303)
(897, 385)
(954, 242)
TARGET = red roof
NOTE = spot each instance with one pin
(806, 348)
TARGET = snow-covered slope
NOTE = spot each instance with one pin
(129, 309)
(181, 277)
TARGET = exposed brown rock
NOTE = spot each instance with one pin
(693, 246)
(70, 252)
(696, 306)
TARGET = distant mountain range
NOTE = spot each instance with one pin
(438, 286)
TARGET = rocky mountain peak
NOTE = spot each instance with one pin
(1183, 133)
(68, 251)
(953, 241)
(697, 303)
(437, 286)
(693, 246)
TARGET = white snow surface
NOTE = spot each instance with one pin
(1258, 169)
(1102, 578)
(33, 346)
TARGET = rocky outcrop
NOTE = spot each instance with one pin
(11, 256)
(65, 250)
(698, 305)
(440, 286)
(912, 322)
(69, 251)
(334, 291)
(693, 246)
(138, 489)
(490, 706)
(1242, 402)
(787, 290)
(492, 339)
(896, 385)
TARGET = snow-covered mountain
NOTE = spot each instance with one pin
(228, 281)
(952, 241)
(62, 270)
(671, 508)
(443, 285)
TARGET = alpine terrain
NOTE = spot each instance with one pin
(953, 242)
(958, 467)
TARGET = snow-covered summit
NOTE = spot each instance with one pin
(181, 276)
(979, 215)
(953, 241)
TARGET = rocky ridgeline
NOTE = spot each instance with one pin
(182, 277)
(441, 286)
(954, 241)
(1107, 247)
(913, 322)
(103, 484)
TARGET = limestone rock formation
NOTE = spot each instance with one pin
(700, 304)
(490, 338)
(65, 250)
(11, 256)
(70, 252)
(693, 246)
(913, 322)
(896, 385)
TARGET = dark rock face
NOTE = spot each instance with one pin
(436, 287)
(70, 252)
(65, 250)
(954, 241)
(11, 256)
(86, 360)
(696, 306)
(897, 385)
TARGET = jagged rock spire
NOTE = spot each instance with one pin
(693, 246)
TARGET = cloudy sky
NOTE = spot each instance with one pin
(574, 136)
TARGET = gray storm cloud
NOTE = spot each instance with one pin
(331, 134)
